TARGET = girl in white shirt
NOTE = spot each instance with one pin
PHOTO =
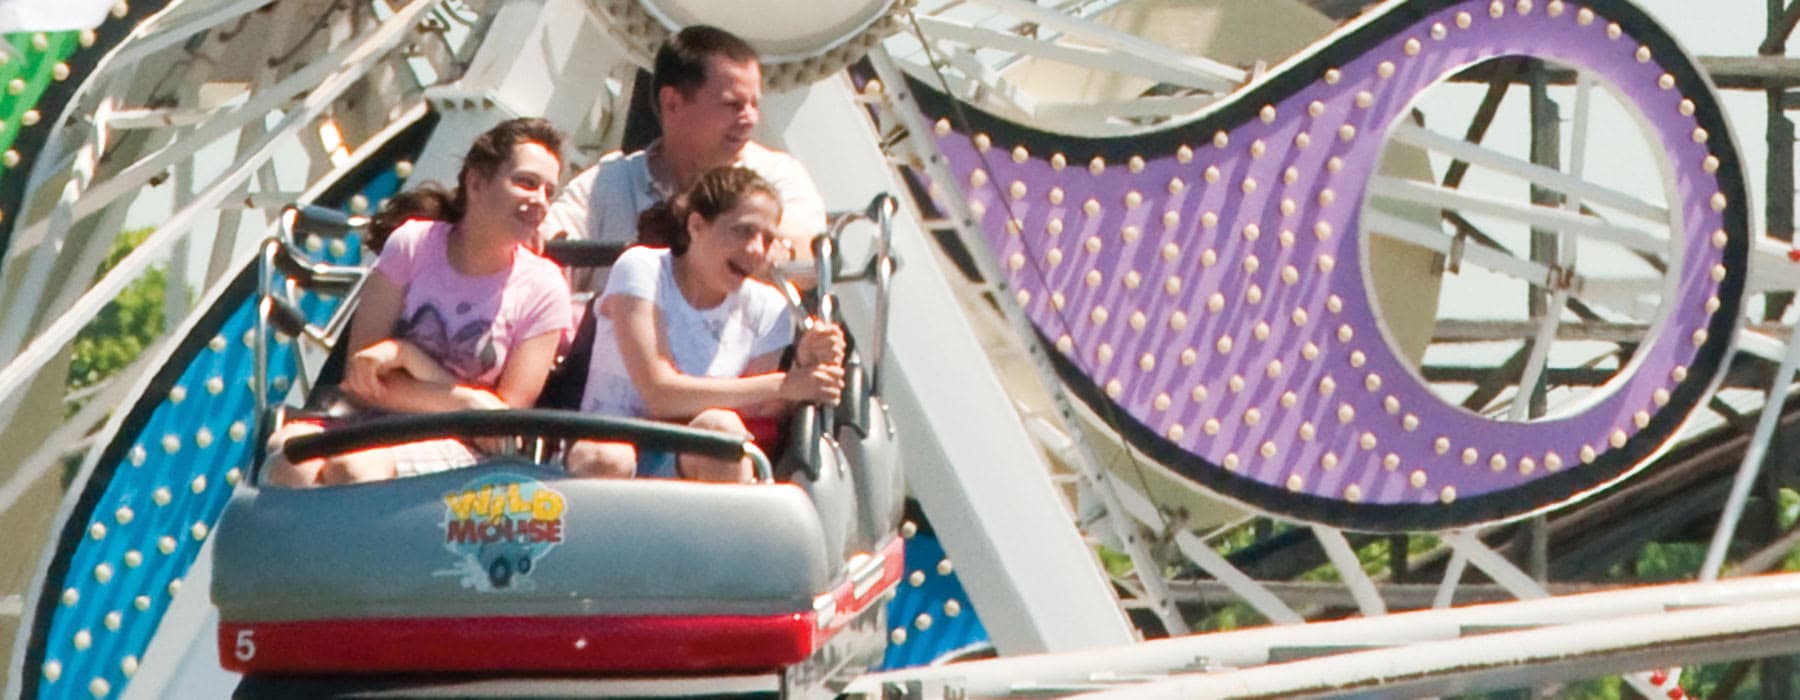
(686, 334)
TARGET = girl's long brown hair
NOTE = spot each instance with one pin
(484, 159)
(717, 191)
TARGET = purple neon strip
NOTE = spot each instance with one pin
(1562, 39)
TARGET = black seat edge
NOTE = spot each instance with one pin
(579, 252)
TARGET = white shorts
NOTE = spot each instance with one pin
(430, 457)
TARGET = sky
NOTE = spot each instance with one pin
(1726, 28)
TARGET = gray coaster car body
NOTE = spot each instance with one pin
(509, 567)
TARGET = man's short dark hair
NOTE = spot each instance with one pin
(681, 61)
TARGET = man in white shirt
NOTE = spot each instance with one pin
(708, 88)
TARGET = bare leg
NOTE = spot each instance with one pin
(602, 460)
(281, 472)
(735, 471)
(357, 467)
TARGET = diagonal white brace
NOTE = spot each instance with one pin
(45, 346)
(1362, 588)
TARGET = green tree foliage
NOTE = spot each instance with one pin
(128, 324)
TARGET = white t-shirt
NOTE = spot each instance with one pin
(716, 342)
(602, 203)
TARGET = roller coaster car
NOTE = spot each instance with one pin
(514, 568)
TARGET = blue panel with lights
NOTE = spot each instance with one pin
(149, 504)
(930, 618)
(144, 511)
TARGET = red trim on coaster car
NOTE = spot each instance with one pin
(590, 644)
(849, 605)
(606, 644)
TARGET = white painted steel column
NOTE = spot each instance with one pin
(1094, 479)
(559, 78)
(969, 460)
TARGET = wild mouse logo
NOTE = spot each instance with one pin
(500, 526)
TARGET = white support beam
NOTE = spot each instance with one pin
(1431, 237)
(134, 119)
(167, 29)
(358, 54)
(1751, 466)
(1253, 592)
(175, 273)
(1145, 567)
(969, 459)
(1135, 503)
(1757, 343)
(1467, 330)
(94, 251)
(1772, 267)
(1453, 573)
(1646, 606)
(1217, 77)
(1495, 566)
(1537, 362)
(1415, 192)
(36, 278)
(1584, 89)
(993, 86)
(1111, 59)
(1633, 297)
(1506, 660)
(1350, 571)
(346, 71)
(1570, 185)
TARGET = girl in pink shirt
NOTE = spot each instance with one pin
(458, 311)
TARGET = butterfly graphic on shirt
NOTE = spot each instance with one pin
(467, 353)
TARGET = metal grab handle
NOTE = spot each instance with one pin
(265, 272)
(879, 211)
(882, 210)
(803, 321)
(279, 253)
(325, 277)
(310, 219)
(880, 268)
(822, 251)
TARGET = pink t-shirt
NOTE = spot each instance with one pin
(470, 324)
